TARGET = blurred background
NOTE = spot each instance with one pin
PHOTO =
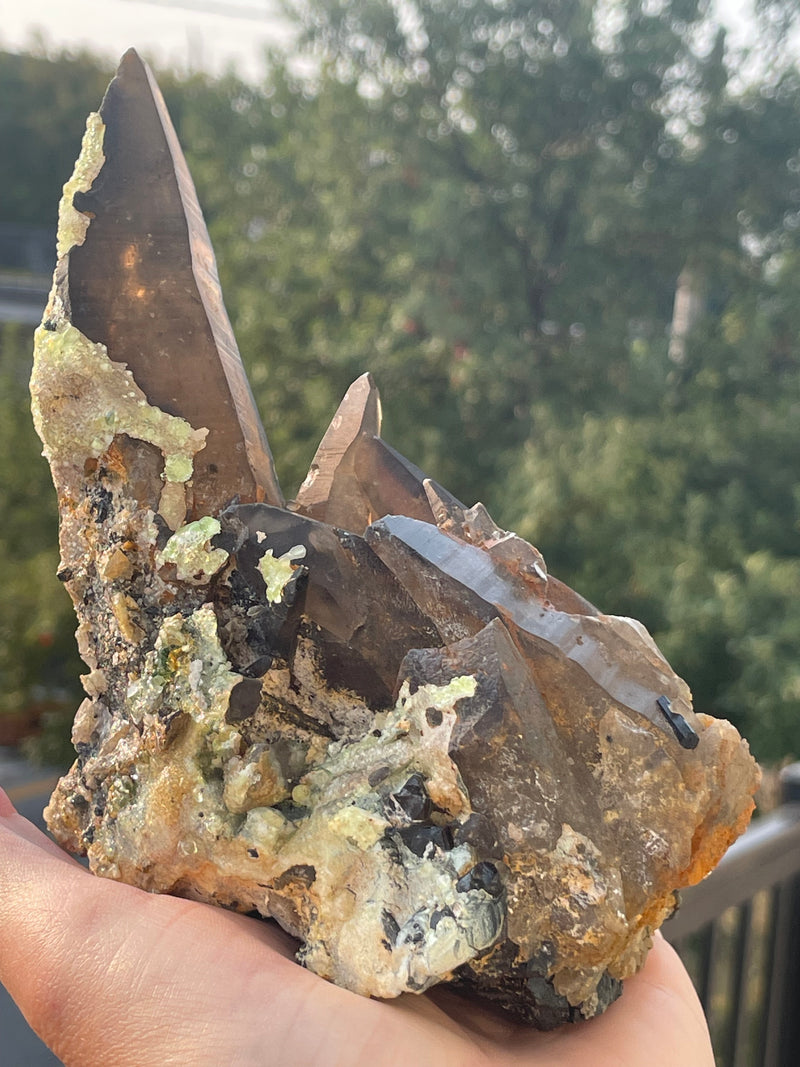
(564, 236)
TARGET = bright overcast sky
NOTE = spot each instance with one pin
(197, 34)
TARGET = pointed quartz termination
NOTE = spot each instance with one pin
(321, 495)
(476, 526)
(461, 588)
(144, 284)
(355, 477)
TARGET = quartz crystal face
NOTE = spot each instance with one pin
(369, 714)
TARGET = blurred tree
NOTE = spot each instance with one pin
(38, 659)
(469, 182)
(489, 204)
(484, 203)
(45, 103)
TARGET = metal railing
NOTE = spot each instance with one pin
(738, 932)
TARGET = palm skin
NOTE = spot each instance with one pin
(108, 974)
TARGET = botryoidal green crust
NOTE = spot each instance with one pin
(73, 224)
(82, 401)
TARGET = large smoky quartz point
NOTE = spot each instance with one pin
(370, 714)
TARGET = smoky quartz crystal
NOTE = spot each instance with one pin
(368, 713)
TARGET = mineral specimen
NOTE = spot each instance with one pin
(370, 714)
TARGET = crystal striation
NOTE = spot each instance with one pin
(370, 714)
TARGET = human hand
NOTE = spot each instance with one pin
(108, 974)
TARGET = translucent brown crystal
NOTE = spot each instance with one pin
(370, 714)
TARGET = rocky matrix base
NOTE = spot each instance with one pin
(369, 714)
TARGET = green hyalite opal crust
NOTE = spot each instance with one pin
(369, 714)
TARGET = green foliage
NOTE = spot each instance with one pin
(38, 661)
(687, 516)
(488, 203)
(43, 114)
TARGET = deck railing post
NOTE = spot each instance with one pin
(788, 1019)
(756, 1021)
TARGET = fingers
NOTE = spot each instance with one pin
(109, 974)
(663, 993)
(667, 1012)
(12, 822)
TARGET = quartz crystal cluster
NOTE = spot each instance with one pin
(368, 713)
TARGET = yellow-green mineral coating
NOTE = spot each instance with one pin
(171, 818)
(81, 400)
(73, 224)
(278, 572)
(442, 697)
(189, 550)
(188, 670)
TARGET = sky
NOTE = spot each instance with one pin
(188, 34)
